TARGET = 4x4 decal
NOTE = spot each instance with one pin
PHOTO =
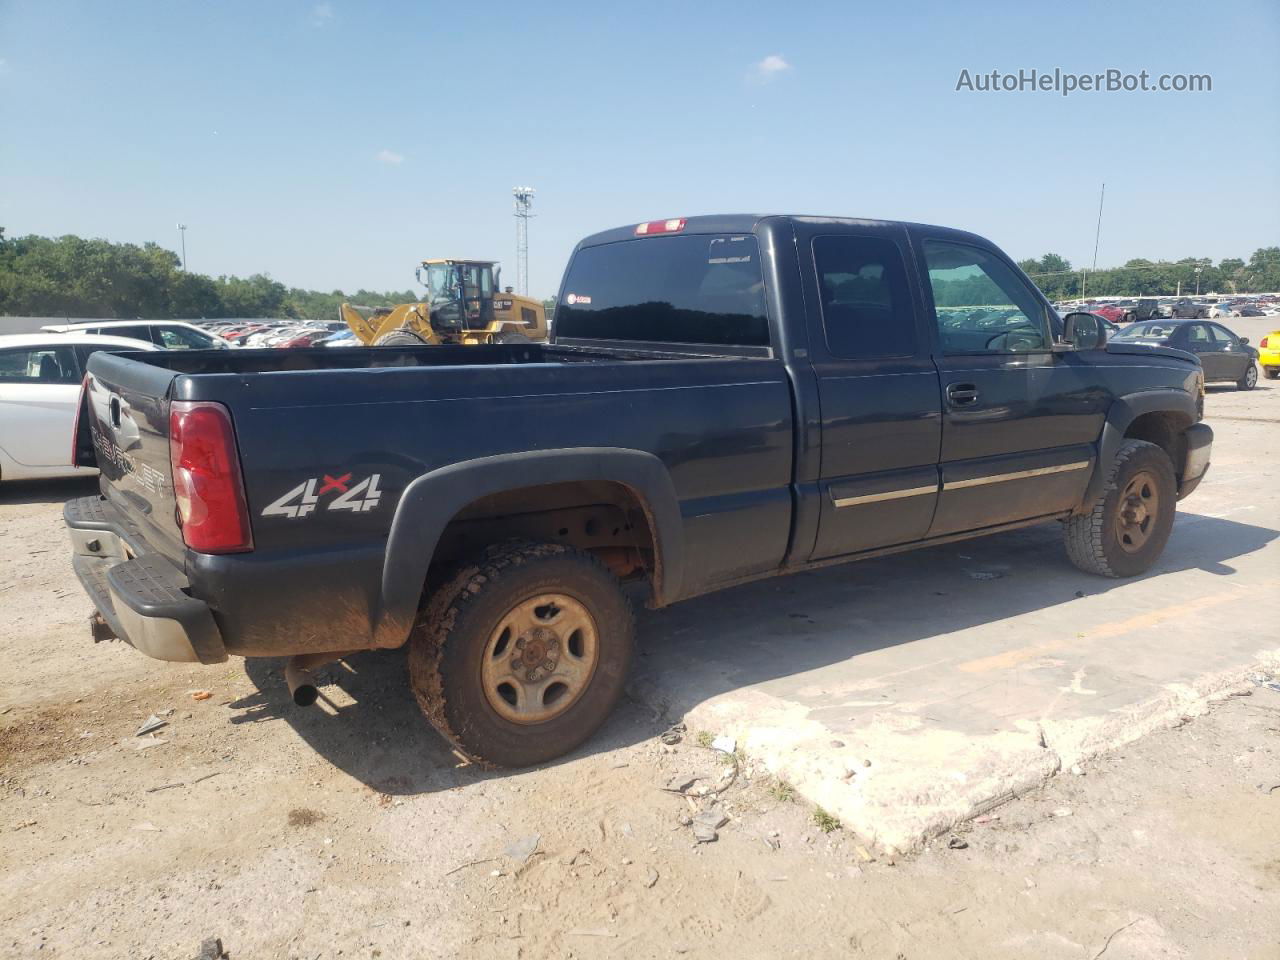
(305, 497)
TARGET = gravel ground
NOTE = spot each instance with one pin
(352, 831)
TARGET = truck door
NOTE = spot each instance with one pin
(881, 415)
(1019, 422)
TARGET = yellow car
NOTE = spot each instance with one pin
(1269, 354)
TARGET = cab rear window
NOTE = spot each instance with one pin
(695, 289)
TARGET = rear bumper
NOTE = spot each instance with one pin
(140, 595)
(1199, 437)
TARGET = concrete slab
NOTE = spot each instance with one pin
(909, 693)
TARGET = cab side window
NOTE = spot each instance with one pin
(866, 303)
(981, 305)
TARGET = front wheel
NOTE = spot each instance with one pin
(1129, 525)
(400, 338)
(512, 336)
(522, 656)
(1250, 378)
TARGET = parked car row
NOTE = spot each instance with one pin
(1182, 308)
(276, 333)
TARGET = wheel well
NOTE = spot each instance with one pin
(606, 519)
(1166, 430)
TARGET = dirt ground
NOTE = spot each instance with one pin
(351, 831)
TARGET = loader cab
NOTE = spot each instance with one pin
(459, 292)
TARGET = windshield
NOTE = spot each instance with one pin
(1146, 331)
(442, 281)
(452, 281)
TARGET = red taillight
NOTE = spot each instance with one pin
(660, 226)
(1264, 341)
(80, 406)
(206, 478)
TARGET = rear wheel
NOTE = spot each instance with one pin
(400, 338)
(521, 657)
(1250, 378)
(1129, 525)
(1273, 373)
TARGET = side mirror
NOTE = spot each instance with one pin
(1244, 340)
(1084, 331)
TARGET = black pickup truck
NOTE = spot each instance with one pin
(724, 398)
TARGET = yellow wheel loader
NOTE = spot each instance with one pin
(463, 305)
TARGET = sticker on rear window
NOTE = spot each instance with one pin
(729, 250)
(574, 298)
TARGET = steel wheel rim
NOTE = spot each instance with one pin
(540, 658)
(1139, 507)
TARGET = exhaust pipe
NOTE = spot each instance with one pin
(302, 682)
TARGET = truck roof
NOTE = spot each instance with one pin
(748, 222)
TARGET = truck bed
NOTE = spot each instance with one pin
(373, 421)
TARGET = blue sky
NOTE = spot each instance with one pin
(335, 144)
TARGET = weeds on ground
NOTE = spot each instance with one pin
(704, 738)
(782, 791)
(825, 821)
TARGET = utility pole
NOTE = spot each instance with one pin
(182, 234)
(523, 201)
(1097, 236)
(1199, 267)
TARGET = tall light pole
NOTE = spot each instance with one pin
(1097, 236)
(182, 235)
(523, 200)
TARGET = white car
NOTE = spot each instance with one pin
(166, 334)
(1221, 310)
(40, 376)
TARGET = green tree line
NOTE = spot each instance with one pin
(1059, 281)
(74, 277)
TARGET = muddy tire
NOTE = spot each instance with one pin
(521, 656)
(1129, 525)
(1249, 379)
(399, 338)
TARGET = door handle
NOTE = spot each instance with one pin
(962, 394)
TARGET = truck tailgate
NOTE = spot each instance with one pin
(127, 405)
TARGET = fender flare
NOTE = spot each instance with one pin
(432, 500)
(1124, 410)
